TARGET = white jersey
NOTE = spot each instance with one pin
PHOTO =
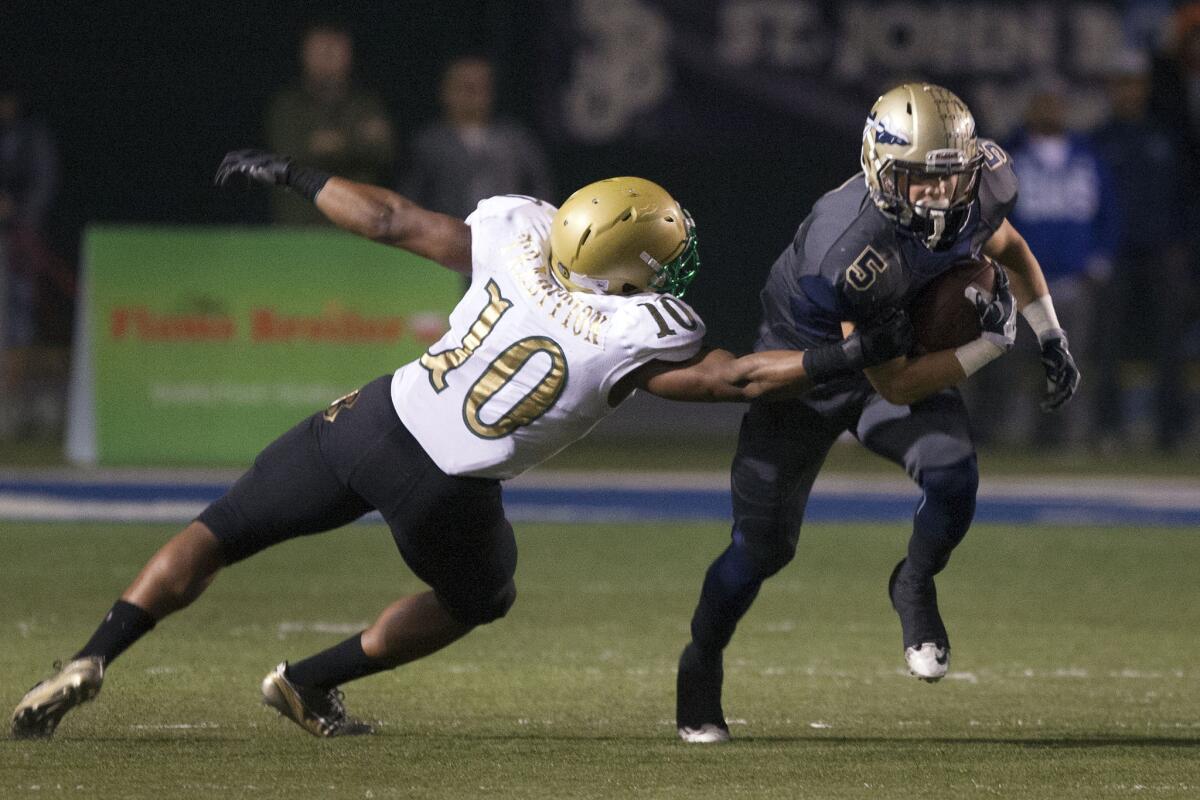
(527, 366)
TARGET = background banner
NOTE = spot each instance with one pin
(697, 73)
(205, 344)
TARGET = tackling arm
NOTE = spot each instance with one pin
(713, 376)
(718, 376)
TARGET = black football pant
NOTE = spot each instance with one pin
(337, 465)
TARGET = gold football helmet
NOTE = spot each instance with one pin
(918, 132)
(623, 236)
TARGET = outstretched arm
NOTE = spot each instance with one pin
(714, 376)
(383, 216)
(719, 376)
(372, 212)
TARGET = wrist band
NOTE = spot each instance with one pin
(1041, 317)
(306, 181)
(974, 355)
(826, 361)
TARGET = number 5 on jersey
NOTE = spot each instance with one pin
(500, 372)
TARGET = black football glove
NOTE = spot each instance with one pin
(256, 165)
(886, 337)
(997, 314)
(1062, 376)
(273, 169)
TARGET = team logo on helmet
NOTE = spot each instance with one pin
(882, 134)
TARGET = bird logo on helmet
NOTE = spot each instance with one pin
(623, 236)
(921, 133)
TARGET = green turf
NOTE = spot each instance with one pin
(1075, 672)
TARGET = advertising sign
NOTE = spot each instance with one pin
(200, 345)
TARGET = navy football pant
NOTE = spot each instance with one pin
(781, 447)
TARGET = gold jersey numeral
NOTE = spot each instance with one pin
(346, 401)
(536, 402)
(438, 364)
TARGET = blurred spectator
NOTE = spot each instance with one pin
(469, 154)
(1144, 316)
(1069, 215)
(326, 122)
(1175, 99)
(28, 182)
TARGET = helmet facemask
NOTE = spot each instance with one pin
(936, 222)
(677, 275)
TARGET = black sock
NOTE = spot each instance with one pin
(124, 624)
(341, 663)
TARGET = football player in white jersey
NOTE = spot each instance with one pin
(568, 312)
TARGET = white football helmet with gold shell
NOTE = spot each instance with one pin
(623, 236)
(922, 132)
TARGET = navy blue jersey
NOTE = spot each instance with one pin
(850, 262)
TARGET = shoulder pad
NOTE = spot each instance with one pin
(498, 222)
(997, 184)
(870, 278)
(658, 326)
(509, 207)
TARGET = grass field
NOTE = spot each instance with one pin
(1076, 672)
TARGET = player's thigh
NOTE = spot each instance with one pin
(931, 434)
(289, 491)
(450, 530)
(781, 447)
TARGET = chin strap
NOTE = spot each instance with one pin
(939, 227)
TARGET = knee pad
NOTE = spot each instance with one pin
(957, 482)
(481, 610)
(759, 554)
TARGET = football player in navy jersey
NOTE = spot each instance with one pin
(931, 193)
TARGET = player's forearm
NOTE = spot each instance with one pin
(384, 216)
(1010, 249)
(908, 380)
(717, 376)
(369, 211)
(770, 373)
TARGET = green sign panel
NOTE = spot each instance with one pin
(205, 344)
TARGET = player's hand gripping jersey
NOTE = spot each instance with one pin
(527, 366)
(848, 262)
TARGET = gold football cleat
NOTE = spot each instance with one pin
(321, 713)
(43, 706)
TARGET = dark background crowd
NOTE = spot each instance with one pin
(120, 114)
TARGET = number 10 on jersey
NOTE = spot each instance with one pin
(500, 372)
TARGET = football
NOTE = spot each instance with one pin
(942, 316)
